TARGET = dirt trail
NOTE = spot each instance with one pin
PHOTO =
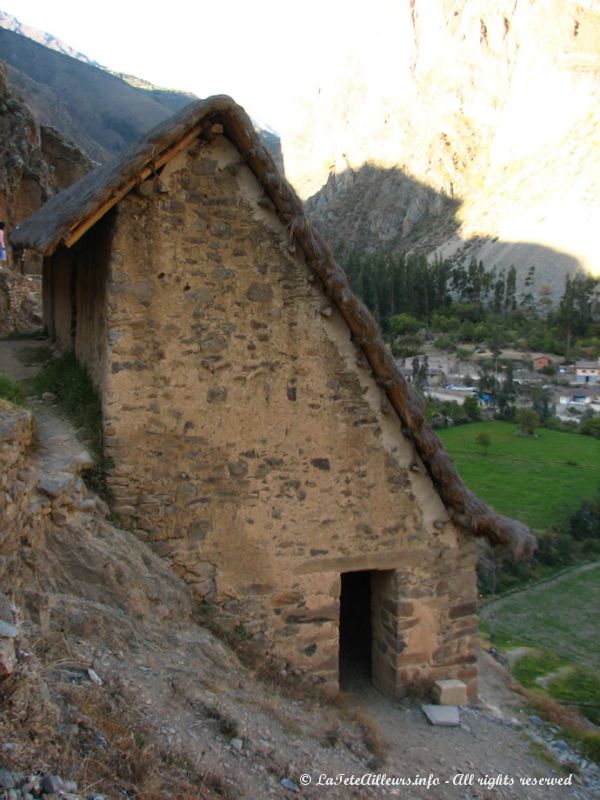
(115, 606)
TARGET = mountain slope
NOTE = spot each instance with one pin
(102, 113)
(488, 111)
(41, 37)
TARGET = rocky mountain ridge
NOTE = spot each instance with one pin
(96, 110)
(101, 111)
(11, 23)
(466, 128)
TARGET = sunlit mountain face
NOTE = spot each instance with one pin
(466, 129)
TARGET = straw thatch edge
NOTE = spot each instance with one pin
(66, 211)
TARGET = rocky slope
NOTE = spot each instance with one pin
(35, 160)
(475, 117)
(35, 163)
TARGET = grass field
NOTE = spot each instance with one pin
(560, 616)
(559, 619)
(535, 479)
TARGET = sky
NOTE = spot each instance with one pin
(266, 54)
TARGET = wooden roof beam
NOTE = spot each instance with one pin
(77, 232)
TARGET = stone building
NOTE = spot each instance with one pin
(263, 439)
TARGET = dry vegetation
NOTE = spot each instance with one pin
(95, 735)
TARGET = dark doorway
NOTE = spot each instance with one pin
(355, 629)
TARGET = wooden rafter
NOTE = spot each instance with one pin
(76, 233)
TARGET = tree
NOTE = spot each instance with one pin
(527, 420)
(401, 324)
(488, 386)
(528, 299)
(471, 408)
(484, 440)
(510, 297)
(541, 403)
(545, 300)
(499, 292)
(421, 373)
(506, 394)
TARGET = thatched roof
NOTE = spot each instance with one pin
(69, 214)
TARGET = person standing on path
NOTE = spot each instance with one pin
(2, 246)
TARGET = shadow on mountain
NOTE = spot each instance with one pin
(375, 209)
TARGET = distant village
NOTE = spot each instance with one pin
(571, 390)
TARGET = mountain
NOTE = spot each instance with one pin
(98, 111)
(466, 129)
(47, 39)
(102, 112)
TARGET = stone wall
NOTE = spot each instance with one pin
(20, 525)
(19, 302)
(425, 622)
(252, 446)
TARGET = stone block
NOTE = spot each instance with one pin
(450, 693)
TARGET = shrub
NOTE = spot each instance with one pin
(484, 441)
(575, 539)
(12, 391)
(402, 324)
(471, 408)
(527, 420)
(585, 522)
(591, 427)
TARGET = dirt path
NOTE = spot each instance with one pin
(58, 442)
(494, 739)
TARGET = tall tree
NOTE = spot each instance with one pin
(510, 298)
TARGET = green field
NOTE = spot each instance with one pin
(560, 615)
(559, 619)
(535, 479)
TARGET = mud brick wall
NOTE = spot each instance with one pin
(251, 444)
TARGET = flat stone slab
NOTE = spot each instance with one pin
(446, 716)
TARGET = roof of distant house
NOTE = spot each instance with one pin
(67, 216)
